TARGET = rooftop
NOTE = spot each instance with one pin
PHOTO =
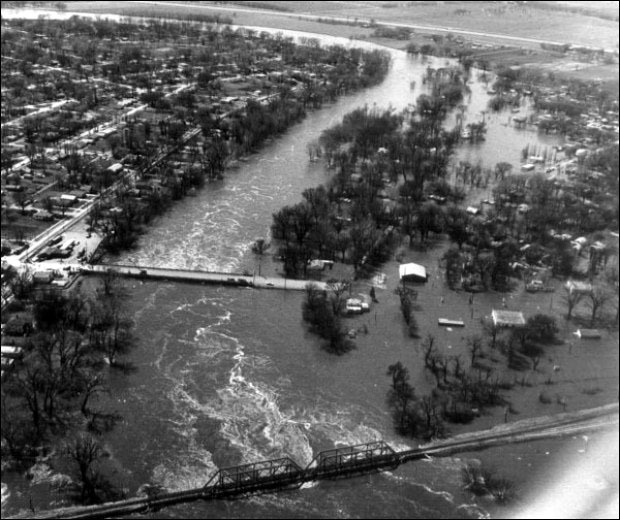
(576, 286)
(507, 318)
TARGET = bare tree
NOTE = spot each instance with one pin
(22, 199)
(458, 366)
(572, 299)
(400, 395)
(338, 289)
(428, 345)
(611, 276)
(597, 298)
(474, 344)
(85, 453)
(15, 431)
(112, 286)
(490, 329)
(92, 384)
(434, 424)
(20, 282)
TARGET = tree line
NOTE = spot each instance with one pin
(350, 218)
(50, 398)
(465, 386)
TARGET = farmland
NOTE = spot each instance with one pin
(509, 20)
(504, 18)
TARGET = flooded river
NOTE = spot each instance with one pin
(228, 376)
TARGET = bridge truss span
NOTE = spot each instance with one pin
(361, 458)
(256, 477)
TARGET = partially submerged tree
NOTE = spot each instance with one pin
(572, 299)
(474, 344)
(318, 312)
(541, 328)
(401, 396)
(597, 299)
(85, 457)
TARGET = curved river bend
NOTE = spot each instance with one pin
(228, 376)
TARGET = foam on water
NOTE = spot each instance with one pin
(260, 413)
(252, 420)
(5, 493)
(474, 511)
(190, 467)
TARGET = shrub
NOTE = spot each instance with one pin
(545, 398)
(542, 328)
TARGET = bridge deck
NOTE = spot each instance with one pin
(206, 277)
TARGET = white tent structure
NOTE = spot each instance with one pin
(412, 273)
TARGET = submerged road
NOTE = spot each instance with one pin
(604, 417)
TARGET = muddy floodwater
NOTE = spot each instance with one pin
(229, 376)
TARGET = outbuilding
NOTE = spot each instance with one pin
(67, 199)
(11, 351)
(503, 319)
(588, 334)
(115, 168)
(43, 276)
(573, 286)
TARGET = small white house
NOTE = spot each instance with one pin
(573, 286)
(507, 318)
(10, 351)
(67, 199)
(115, 168)
(43, 276)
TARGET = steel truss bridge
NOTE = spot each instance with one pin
(285, 474)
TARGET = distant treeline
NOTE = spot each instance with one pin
(395, 33)
(150, 11)
(101, 28)
(154, 11)
(257, 5)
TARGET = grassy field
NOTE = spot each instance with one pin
(513, 21)
(524, 21)
(605, 73)
(520, 21)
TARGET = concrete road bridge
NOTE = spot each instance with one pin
(200, 277)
